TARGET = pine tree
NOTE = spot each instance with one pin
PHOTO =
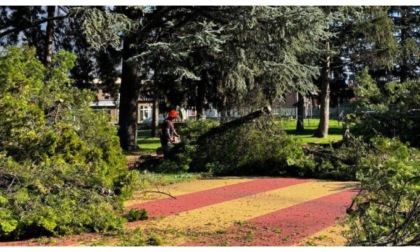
(362, 36)
(220, 61)
(195, 56)
(53, 28)
(407, 23)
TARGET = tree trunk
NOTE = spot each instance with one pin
(301, 113)
(155, 118)
(404, 71)
(234, 123)
(129, 94)
(199, 101)
(322, 130)
(201, 91)
(223, 115)
(49, 37)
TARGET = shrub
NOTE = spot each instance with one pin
(193, 129)
(395, 109)
(386, 211)
(61, 168)
(336, 161)
(256, 148)
(135, 215)
(180, 157)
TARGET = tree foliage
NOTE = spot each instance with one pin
(75, 29)
(61, 168)
(196, 56)
(407, 57)
(362, 36)
(393, 109)
(229, 51)
(386, 211)
(257, 147)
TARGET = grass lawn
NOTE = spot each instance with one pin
(334, 133)
(148, 145)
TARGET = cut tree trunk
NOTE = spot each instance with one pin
(234, 124)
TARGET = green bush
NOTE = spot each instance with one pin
(136, 215)
(180, 157)
(193, 129)
(61, 168)
(261, 147)
(257, 148)
(391, 124)
(395, 109)
(386, 211)
(336, 161)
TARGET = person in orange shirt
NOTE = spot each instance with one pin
(169, 137)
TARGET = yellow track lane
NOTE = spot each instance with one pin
(183, 188)
(330, 236)
(217, 217)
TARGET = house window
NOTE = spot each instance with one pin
(145, 112)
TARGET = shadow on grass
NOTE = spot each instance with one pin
(147, 144)
(144, 133)
(301, 133)
(311, 132)
(148, 141)
(144, 138)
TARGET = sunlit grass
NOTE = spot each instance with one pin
(148, 144)
(152, 179)
(334, 133)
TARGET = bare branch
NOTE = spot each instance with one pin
(160, 192)
(20, 29)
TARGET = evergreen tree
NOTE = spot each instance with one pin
(407, 24)
(53, 28)
(194, 56)
(362, 36)
(214, 60)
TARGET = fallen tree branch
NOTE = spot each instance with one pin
(234, 124)
(11, 184)
(7, 180)
(160, 192)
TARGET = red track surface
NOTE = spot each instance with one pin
(196, 200)
(287, 226)
(284, 227)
